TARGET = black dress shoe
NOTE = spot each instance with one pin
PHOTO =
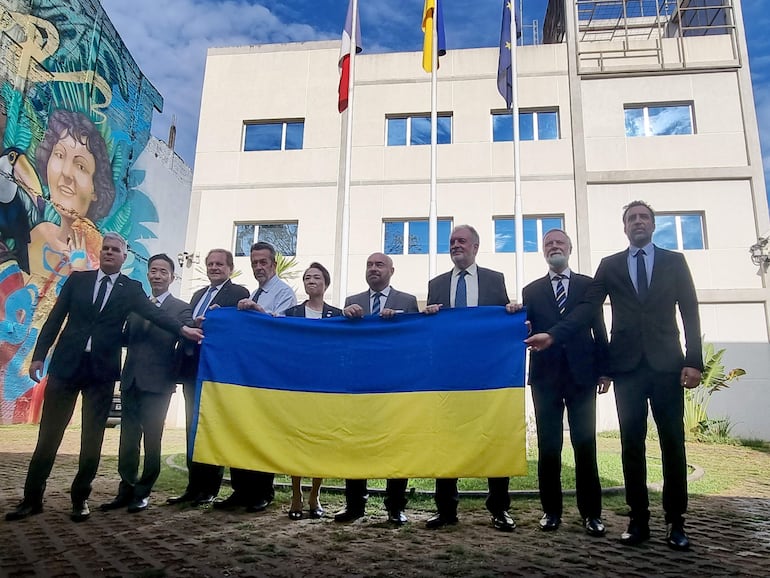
(502, 521)
(317, 512)
(440, 520)
(258, 506)
(636, 533)
(348, 514)
(203, 499)
(24, 510)
(549, 522)
(80, 511)
(397, 517)
(676, 537)
(232, 502)
(138, 505)
(186, 497)
(594, 527)
(116, 504)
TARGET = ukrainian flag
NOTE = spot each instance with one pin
(415, 396)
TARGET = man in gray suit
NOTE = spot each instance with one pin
(383, 300)
(146, 384)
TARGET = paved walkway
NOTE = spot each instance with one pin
(731, 536)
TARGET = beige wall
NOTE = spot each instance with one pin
(709, 171)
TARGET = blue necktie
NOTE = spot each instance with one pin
(561, 293)
(641, 275)
(203, 305)
(461, 292)
(376, 303)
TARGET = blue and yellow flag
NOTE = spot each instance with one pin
(414, 396)
(431, 10)
(504, 62)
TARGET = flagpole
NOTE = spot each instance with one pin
(432, 210)
(342, 290)
(518, 215)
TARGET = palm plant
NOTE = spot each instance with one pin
(696, 400)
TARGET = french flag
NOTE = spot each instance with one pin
(344, 61)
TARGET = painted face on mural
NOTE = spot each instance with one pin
(70, 174)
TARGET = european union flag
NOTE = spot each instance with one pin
(504, 73)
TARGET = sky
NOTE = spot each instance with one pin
(169, 40)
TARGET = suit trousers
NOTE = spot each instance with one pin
(58, 406)
(356, 494)
(252, 486)
(666, 398)
(143, 414)
(447, 496)
(580, 400)
(201, 478)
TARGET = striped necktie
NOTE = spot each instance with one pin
(561, 293)
(376, 303)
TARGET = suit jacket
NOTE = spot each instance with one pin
(646, 328)
(396, 300)
(585, 351)
(152, 362)
(105, 327)
(299, 311)
(227, 296)
(491, 288)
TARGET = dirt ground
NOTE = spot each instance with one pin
(730, 534)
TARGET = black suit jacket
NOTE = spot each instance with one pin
(299, 311)
(491, 288)
(105, 327)
(585, 351)
(227, 296)
(152, 362)
(646, 328)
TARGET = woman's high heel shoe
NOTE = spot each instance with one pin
(316, 511)
(295, 514)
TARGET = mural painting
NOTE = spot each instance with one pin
(75, 114)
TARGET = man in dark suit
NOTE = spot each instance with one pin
(646, 284)
(468, 285)
(86, 360)
(383, 300)
(566, 376)
(146, 384)
(203, 480)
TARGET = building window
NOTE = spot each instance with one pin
(415, 129)
(411, 237)
(282, 236)
(534, 229)
(658, 120)
(533, 125)
(679, 232)
(276, 135)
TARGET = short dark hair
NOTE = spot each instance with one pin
(161, 257)
(322, 269)
(633, 204)
(228, 256)
(262, 246)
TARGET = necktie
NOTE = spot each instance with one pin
(561, 293)
(204, 304)
(257, 294)
(641, 275)
(376, 303)
(461, 292)
(154, 301)
(99, 303)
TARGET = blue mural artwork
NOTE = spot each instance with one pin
(75, 114)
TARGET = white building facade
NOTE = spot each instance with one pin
(648, 108)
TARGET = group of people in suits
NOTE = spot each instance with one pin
(571, 361)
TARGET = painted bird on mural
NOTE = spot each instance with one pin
(20, 196)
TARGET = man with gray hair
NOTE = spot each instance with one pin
(86, 360)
